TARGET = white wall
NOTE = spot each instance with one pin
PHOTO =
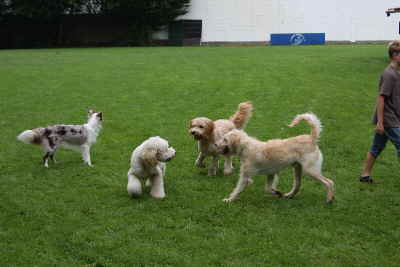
(255, 20)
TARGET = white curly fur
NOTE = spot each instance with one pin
(148, 162)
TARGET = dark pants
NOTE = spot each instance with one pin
(380, 140)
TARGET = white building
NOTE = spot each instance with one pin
(255, 20)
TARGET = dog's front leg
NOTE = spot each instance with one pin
(48, 145)
(52, 158)
(157, 185)
(85, 149)
(212, 170)
(200, 160)
(241, 185)
(163, 169)
(228, 165)
(46, 159)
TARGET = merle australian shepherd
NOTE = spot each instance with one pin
(76, 137)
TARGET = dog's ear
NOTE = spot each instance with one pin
(209, 128)
(149, 156)
(90, 112)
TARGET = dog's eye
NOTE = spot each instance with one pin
(201, 127)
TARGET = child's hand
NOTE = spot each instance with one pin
(379, 128)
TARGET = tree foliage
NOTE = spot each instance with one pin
(145, 16)
(44, 9)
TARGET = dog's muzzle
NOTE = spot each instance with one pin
(195, 135)
(173, 156)
(225, 150)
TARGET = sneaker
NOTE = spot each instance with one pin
(367, 180)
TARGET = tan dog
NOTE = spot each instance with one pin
(207, 132)
(300, 152)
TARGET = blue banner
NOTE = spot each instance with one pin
(297, 38)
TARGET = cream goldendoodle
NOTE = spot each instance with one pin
(208, 132)
(148, 162)
(257, 157)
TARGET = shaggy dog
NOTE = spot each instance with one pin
(148, 161)
(76, 137)
(300, 152)
(208, 132)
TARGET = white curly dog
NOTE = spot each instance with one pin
(257, 157)
(148, 161)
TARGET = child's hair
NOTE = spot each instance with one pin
(394, 48)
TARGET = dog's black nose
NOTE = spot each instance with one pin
(226, 150)
(192, 132)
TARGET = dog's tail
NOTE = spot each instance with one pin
(312, 120)
(29, 137)
(242, 115)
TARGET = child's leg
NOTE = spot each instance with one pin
(377, 147)
(394, 136)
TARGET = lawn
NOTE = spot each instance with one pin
(75, 215)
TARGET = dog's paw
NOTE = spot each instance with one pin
(228, 200)
(288, 196)
(228, 172)
(277, 193)
(158, 196)
(200, 164)
(212, 172)
(330, 200)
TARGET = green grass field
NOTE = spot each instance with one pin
(74, 215)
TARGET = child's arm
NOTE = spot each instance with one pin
(380, 109)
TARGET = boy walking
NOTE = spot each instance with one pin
(387, 112)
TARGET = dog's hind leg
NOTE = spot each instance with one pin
(241, 185)
(212, 170)
(134, 186)
(329, 184)
(85, 149)
(271, 185)
(312, 166)
(228, 165)
(297, 170)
